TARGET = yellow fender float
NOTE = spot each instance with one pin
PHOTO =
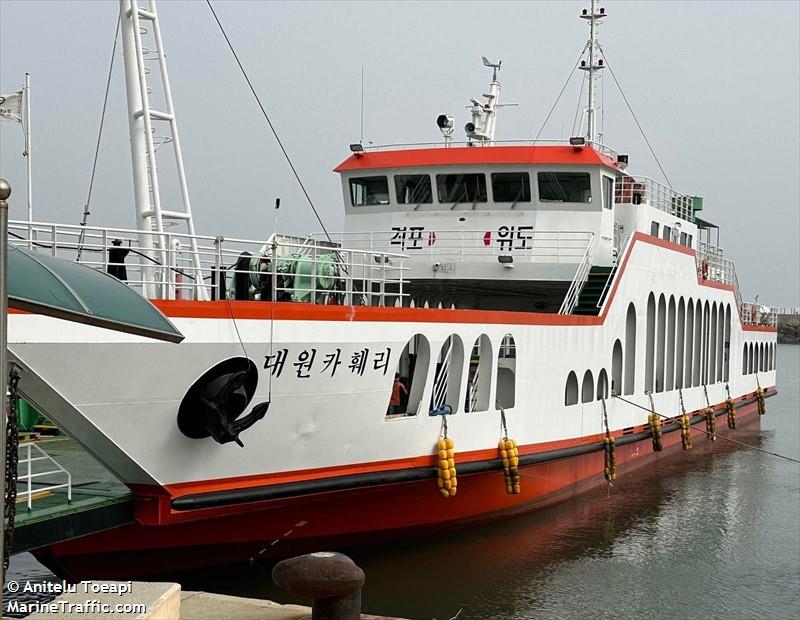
(446, 479)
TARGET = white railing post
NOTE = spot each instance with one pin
(28, 478)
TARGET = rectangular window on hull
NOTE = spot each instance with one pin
(573, 187)
(457, 188)
(413, 189)
(654, 229)
(366, 191)
(511, 187)
(666, 233)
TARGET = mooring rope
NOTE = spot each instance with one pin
(738, 443)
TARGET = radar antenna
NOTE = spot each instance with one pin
(484, 115)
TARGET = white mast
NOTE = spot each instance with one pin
(28, 145)
(150, 216)
(595, 64)
(484, 115)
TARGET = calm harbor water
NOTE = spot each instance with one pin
(712, 536)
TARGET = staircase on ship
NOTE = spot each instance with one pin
(594, 291)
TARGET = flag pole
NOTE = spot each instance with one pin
(28, 149)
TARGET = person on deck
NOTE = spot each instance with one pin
(116, 260)
(395, 400)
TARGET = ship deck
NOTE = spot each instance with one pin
(99, 501)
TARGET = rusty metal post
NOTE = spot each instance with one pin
(332, 579)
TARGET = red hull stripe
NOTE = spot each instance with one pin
(259, 488)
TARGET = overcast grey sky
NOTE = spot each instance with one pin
(714, 84)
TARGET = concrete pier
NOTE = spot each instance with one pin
(165, 601)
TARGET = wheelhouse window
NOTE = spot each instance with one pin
(608, 192)
(413, 189)
(565, 187)
(366, 191)
(457, 188)
(511, 187)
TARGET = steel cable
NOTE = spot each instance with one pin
(738, 443)
(86, 212)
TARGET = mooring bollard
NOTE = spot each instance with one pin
(332, 579)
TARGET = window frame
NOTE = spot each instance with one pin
(477, 175)
(524, 175)
(351, 184)
(655, 229)
(546, 201)
(607, 190)
(398, 190)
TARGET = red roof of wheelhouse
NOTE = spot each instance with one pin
(476, 155)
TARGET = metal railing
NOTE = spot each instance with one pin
(439, 394)
(785, 310)
(30, 453)
(538, 246)
(621, 249)
(472, 389)
(284, 268)
(644, 190)
(755, 314)
(712, 265)
(581, 277)
(602, 148)
(508, 348)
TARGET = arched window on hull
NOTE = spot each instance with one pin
(650, 344)
(669, 368)
(479, 380)
(447, 378)
(661, 340)
(680, 339)
(630, 350)
(745, 359)
(616, 368)
(587, 387)
(689, 346)
(507, 373)
(602, 385)
(412, 368)
(571, 389)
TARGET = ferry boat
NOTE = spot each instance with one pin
(542, 308)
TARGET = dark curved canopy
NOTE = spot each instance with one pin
(65, 289)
